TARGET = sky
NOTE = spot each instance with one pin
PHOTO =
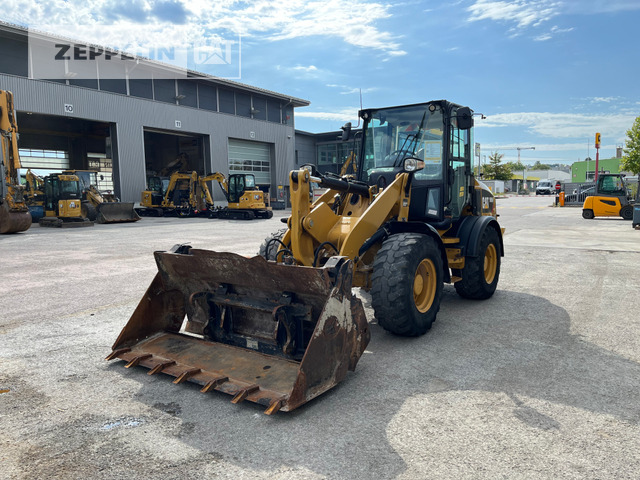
(547, 74)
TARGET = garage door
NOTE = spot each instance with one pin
(251, 157)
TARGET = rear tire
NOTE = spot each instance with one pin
(626, 212)
(480, 274)
(269, 249)
(587, 213)
(407, 284)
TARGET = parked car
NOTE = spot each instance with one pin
(545, 187)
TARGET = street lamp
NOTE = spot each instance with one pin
(524, 169)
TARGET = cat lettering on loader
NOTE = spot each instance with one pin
(283, 327)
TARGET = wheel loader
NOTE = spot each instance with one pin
(611, 199)
(102, 207)
(14, 213)
(244, 200)
(184, 194)
(283, 327)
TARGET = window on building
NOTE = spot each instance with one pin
(243, 104)
(164, 90)
(188, 89)
(227, 101)
(259, 108)
(140, 87)
(115, 85)
(207, 97)
(273, 111)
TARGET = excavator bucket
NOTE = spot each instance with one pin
(274, 334)
(13, 221)
(116, 212)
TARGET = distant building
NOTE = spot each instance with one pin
(585, 171)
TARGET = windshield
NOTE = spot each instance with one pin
(544, 183)
(250, 181)
(393, 134)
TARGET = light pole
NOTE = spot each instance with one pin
(524, 170)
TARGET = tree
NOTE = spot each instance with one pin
(540, 166)
(515, 166)
(631, 159)
(495, 170)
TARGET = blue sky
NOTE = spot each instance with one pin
(546, 73)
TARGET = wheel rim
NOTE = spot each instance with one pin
(424, 285)
(490, 263)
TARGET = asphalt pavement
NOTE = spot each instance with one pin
(540, 381)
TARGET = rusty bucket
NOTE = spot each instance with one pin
(274, 334)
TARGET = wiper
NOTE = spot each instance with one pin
(414, 140)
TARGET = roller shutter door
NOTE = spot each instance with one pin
(251, 157)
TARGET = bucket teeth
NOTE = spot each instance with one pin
(117, 353)
(244, 393)
(186, 375)
(214, 383)
(160, 367)
(137, 360)
(274, 407)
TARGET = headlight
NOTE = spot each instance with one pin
(413, 164)
(257, 197)
(72, 204)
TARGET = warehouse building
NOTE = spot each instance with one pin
(133, 126)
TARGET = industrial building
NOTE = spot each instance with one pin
(130, 127)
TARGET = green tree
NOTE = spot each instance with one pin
(540, 166)
(495, 170)
(631, 159)
(515, 166)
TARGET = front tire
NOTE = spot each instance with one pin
(407, 284)
(269, 249)
(480, 274)
(587, 213)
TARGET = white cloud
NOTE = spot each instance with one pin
(563, 125)
(522, 13)
(349, 114)
(355, 22)
(309, 69)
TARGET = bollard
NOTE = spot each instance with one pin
(561, 199)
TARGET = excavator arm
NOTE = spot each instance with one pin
(222, 181)
(14, 213)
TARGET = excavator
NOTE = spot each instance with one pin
(281, 328)
(244, 200)
(102, 207)
(611, 198)
(14, 213)
(182, 194)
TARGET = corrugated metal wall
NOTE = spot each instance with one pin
(306, 148)
(131, 115)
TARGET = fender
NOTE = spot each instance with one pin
(425, 229)
(470, 231)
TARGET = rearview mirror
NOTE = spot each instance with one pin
(346, 131)
(465, 118)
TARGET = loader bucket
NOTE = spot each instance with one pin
(274, 334)
(116, 212)
(12, 221)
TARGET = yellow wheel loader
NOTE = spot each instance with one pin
(245, 201)
(283, 327)
(102, 207)
(184, 194)
(612, 198)
(14, 213)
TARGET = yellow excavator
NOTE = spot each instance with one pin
(102, 207)
(184, 194)
(14, 213)
(283, 327)
(245, 201)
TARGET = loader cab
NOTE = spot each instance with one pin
(438, 133)
(238, 184)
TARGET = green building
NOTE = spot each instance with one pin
(585, 171)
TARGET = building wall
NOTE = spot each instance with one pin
(131, 115)
(579, 169)
(306, 148)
